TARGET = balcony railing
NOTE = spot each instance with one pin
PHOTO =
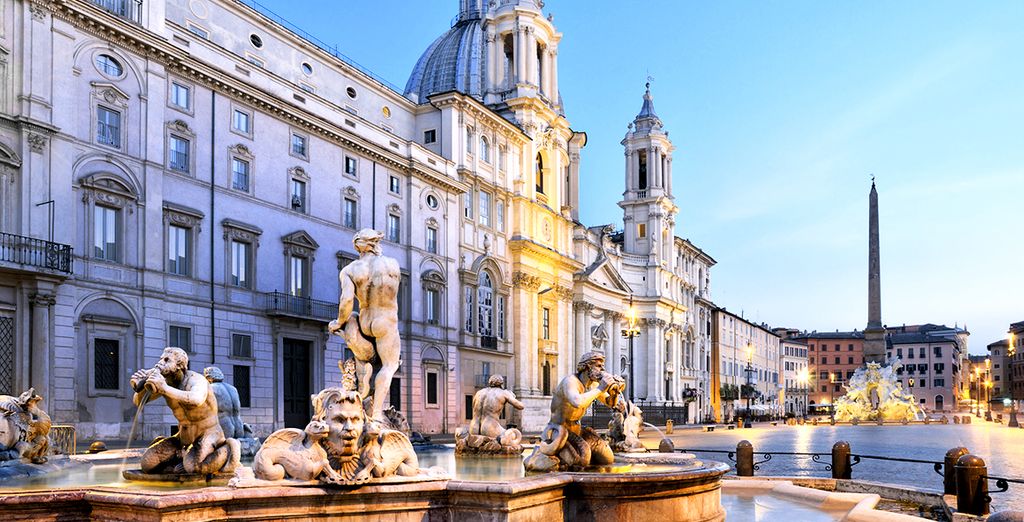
(35, 252)
(127, 9)
(279, 303)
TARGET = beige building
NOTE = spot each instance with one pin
(748, 352)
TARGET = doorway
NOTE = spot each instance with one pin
(297, 376)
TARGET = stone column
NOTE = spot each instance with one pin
(654, 167)
(615, 353)
(521, 330)
(531, 57)
(41, 345)
(519, 55)
(668, 174)
(553, 74)
(491, 75)
(545, 73)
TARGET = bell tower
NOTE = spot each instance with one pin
(648, 206)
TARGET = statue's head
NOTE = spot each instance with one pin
(213, 374)
(592, 364)
(367, 240)
(173, 363)
(29, 398)
(342, 411)
(496, 381)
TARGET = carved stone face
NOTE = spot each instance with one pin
(347, 417)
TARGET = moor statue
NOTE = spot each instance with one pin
(199, 447)
(372, 332)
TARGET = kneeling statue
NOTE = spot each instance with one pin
(199, 447)
(485, 435)
(564, 444)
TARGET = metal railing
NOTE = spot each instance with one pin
(963, 474)
(127, 9)
(279, 303)
(35, 252)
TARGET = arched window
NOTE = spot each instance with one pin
(539, 173)
(485, 149)
(485, 305)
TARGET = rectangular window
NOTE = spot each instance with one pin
(546, 323)
(501, 317)
(431, 388)
(298, 195)
(299, 276)
(499, 214)
(299, 145)
(106, 233)
(641, 230)
(849, 360)
(899, 353)
(433, 306)
(241, 264)
(241, 122)
(920, 352)
(108, 127)
(178, 151)
(394, 185)
(940, 383)
(180, 337)
(469, 407)
(240, 174)
(198, 31)
(837, 360)
(823, 376)
(432, 240)
(350, 166)
(394, 228)
(467, 205)
(179, 249)
(242, 381)
(349, 213)
(429, 136)
(181, 95)
(937, 350)
(468, 325)
(106, 364)
(254, 60)
(485, 209)
(241, 345)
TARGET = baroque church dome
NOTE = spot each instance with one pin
(455, 61)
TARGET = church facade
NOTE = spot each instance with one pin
(198, 170)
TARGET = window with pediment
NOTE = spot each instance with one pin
(241, 240)
(181, 228)
(299, 249)
(109, 202)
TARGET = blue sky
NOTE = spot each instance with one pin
(780, 112)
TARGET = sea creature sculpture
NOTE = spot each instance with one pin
(295, 454)
(24, 428)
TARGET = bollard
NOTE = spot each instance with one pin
(668, 426)
(841, 467)
(971, 485)
(744, 459)
(949, 473)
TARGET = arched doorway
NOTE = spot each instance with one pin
(939, 402)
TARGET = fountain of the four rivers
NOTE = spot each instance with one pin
(354, 459)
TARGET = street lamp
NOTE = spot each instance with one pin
(977, 396)
(1010, 352)
(831, 396)
(631, 332)
(988, 389)
(803, 378)
(749, 370)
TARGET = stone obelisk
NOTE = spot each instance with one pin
(874, 334)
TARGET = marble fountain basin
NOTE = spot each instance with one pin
(649, 486)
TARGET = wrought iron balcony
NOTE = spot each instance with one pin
(34, 252)
(127, 9)
(279, 303)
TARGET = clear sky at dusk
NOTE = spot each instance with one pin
(780, 112)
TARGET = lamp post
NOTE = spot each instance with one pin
(988, 389)
(802, 377)
(749, 370)
(977, 395)
(631, 332)
(1010, 352)
(832, 396)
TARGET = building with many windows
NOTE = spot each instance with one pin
(198, 169)
(932, 356)
(796, 376)
(748, 353)
(832, 357)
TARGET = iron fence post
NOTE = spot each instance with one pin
(745, 459)
(841, 466)
(949, 472)
(971, 485)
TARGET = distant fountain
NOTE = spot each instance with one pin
(875, 393)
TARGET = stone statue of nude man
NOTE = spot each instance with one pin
(373, 280)
(200, 446)
(564, 443)
(485, 433)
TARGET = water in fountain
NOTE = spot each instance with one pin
(663, 437)
(131, 433)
